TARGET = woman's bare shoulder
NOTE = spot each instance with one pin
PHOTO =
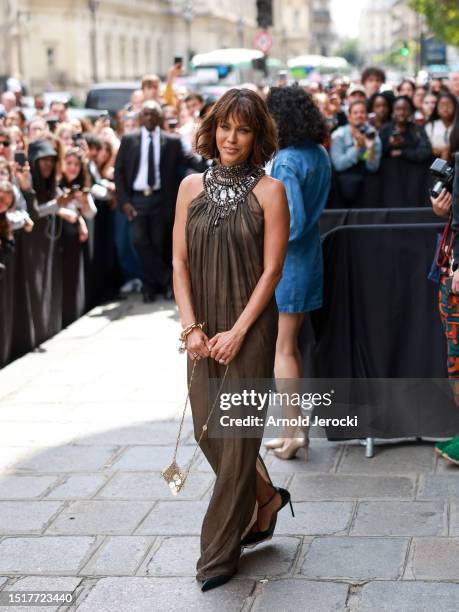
(191, 186)
(269, 188)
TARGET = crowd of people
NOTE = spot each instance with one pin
(78, 182)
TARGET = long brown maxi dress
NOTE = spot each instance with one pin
(225, 263)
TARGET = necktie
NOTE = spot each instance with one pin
(151, 163)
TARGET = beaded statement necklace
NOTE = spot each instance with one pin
(227, 186)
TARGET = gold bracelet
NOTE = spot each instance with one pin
(186, 332)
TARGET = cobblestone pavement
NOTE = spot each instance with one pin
(87, 425)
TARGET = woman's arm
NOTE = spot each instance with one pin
(197, 339)
(224, 346)
(418, 148)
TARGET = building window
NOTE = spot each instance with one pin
(51, 57)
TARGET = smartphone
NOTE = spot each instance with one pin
(178, 60)
(77, 138)
(20, 158)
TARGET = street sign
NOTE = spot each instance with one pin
(263, 42)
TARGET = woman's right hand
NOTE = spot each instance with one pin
(196, 344)
(442, 205)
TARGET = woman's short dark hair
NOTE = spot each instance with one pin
(247, 107)
(387, 96)
(296, 115)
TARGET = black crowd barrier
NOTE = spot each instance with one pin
(369, 216)
(380, 313)
(51, 279)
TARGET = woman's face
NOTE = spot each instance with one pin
(406, 89)
(72, 167)
(77, 125)
(18, 141)
(428, 105)
(234, 141)
(13, 118)
(37, 129)
(402, 111)
(381, 108)
(46, 166)
(446, 109)
(103, 155)
(418, 98)
(67, 140)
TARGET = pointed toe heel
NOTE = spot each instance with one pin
(215, 581)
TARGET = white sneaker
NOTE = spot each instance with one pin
(138, 285)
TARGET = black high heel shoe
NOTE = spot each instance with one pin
(256, 537)
(215, 581)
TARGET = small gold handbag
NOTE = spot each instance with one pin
(173, 474)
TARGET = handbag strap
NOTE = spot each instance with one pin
(204, 427)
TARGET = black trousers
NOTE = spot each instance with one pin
(149, 237)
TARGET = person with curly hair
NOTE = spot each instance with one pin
(303, 166)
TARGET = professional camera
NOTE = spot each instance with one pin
(444, 173)
(367, 131)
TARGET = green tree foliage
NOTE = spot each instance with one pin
(442, 17)
(349, 49)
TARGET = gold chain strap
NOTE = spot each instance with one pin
(173, 474)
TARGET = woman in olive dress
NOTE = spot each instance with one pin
(230, 238)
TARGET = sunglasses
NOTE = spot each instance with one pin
(4, 143)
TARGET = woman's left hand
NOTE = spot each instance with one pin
(225, 346)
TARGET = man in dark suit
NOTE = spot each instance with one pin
(147, 178)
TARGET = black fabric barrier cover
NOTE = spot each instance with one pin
(49, 282)
(368, 216)
(380, 315)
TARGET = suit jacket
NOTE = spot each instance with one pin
(172, 160)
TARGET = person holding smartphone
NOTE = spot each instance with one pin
(447, 206)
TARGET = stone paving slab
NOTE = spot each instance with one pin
(294, 595)
(389, 459)
(409, 597)
(68, 458)
(439, 486)
(320, 459)
(139, 594)
(307, 487)
(174, 518)
(78, 486)
(400, 518)
(150, 485)
(41, 583)
(45, 554)
(161, 433)
(24, 487)
(26, 516)
(99, 517)
(315, 518)
(153, 458)
(118, 556)
(177, 556)
(355, 558)
(454, 519)
(434, 559)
